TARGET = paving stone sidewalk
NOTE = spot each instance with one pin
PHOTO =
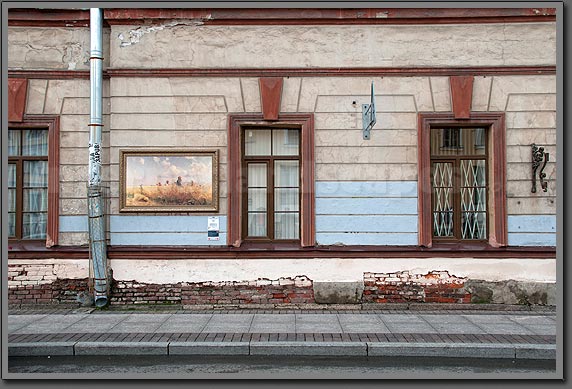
(461, 334)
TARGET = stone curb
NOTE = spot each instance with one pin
(309, 348)
(209, 348)
(292, 348)
(121, 348)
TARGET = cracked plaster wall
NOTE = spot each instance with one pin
(54, 48)
(176, 45)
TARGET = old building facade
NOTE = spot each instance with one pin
(297, 206)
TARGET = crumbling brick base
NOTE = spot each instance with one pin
(403, 287)
(297, 290)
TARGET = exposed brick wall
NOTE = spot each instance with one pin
(296, 290)
(403, 287)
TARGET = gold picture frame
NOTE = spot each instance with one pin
(162, 180)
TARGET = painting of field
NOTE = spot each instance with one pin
(169, 181)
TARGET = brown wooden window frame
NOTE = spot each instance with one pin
(52, 125)
(237, 123)
(494, 122)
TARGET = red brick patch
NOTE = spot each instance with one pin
(402, 287)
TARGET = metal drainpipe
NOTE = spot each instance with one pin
(98, 247)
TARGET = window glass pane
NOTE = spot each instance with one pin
(473, 199)
(13, 142)
(11, 200)
(286, 174)
(285, 142)
(257, 175)
(257, 142)
(442, 183)
(446, 141)
(35, 200)
(11, 224)
(35, 174)
(257, 224)
(11, 175)
(257, 199)
(34, 225)
(286, 199)
(286, 225)
(458, 141)
(34, 142)
(473, 225)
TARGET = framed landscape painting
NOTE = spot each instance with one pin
(168, 181)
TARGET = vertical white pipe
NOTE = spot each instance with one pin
(98, 247)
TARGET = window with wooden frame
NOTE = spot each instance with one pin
(33, 181)
(27, 183)
(271, 180)
(462, 192)
(271, 184)
(459, 185)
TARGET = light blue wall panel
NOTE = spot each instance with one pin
(382, 239)
(165, 239)
(366, 189)
(366, 206)
(353, 223)
(535, 239)
(144, 223)
(73, 223)
(532, 223)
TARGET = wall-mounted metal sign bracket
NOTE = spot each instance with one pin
(368, 115)
(538, 155)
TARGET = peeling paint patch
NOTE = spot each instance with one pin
(136, 34)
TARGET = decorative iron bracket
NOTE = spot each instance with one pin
(538, 155)
(368, 115)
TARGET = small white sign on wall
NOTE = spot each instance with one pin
(213, 228)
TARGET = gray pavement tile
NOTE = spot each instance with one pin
(441, 350)
(415, 327)
(232, 328)
(94, 324)
(275, 328)
(209, 348)
(357, 327)
(309, 348)
(478, 319)
(147, 318)
(454, 328)
(535, 351)
(181, 327)
(231, 318)
(549, 329)
(135, 327)
(501, 328)
(271, 319)
(40, 349)
(532, 320)
(449, 319)
(400, 318)
(121, 348)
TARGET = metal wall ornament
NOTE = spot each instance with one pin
(538, 156)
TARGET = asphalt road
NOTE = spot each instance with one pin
(276, 367)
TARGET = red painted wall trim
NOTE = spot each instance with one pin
(17, 89)
(292, 72)
(234, 197)
(270, 96)
(53, 124)
(498, 237)
(176, 253)
(461, 95)
(276, 16)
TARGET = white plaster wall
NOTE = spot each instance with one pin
(324, 269)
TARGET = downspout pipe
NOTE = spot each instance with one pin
(97, 242)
